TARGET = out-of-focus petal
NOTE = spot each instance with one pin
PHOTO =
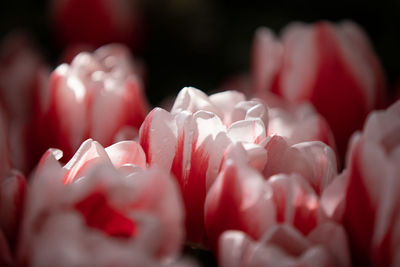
(12, 198)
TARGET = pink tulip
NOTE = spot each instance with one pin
(333, 66)
(243, 199)
(238, 200)
(96, 22)
(283, 245)
(103, 207)
(372, 190)
(190, 141)
(96, 96)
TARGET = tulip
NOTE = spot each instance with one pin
(285, 246)
(98, 95)
(190, 142)
(103, 207)
(241, 198)
(372, 190)
(332, 66)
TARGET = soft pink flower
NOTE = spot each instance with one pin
(333, 66)
(190, 141)
(103, 207)
(372, 190)
(96, 96)
(241, 198)
(283, 245)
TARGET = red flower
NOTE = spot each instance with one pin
(283, 245)
(97, 96)
(333, 66)
(242, 199)
(191, 141)
(101, 208)
(372, 190)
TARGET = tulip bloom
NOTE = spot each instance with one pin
(190, 141)
(283, 245)
(103, 207)
(241, 198)
(332, 66)
(372, 190)
(97, 96)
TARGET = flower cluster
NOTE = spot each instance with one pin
(89, 176)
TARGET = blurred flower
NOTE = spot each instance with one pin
(23, 76)
(96, 22)
(98, 95)
(283, 245)
(299, 123)
(191, 140)
(102, 208)
(333, 66)
(372, 190)
(12, 196)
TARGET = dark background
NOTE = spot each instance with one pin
(201, 42)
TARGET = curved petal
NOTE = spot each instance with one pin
(193, 100)
(238, 200)
(126, 152)
(89, 153)
(158, 138)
